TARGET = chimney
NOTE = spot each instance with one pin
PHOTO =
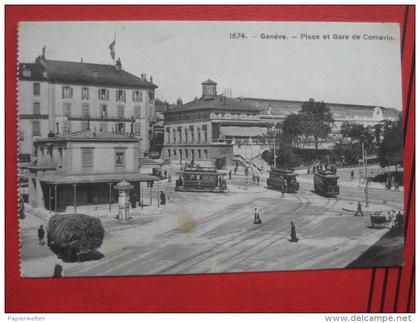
(151, 79)
(118, 64)
(179, 102)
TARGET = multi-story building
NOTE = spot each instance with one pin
(202, 130)
(273, 111)
(81, 168)
(58, 97)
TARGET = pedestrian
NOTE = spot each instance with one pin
(352, 174)
(396, 187)
(258, 180)
(293, 236)
(41, 234)
(169, 178)
(399, 220)
(230, 174)
(253, 178)
(257, 219)
(313, 169)
(162, 198)
(359, 209)
(165, 174)
(235, 170)
(309, 170)
(58, 271)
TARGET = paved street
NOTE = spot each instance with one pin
(214, 232)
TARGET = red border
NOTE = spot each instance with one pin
(305, 291)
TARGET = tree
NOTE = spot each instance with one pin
(292, 129)
(391, 148)
(316, 121)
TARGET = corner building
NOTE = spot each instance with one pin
(60, 97)
(205, 129)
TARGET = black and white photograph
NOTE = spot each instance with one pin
(181, 147)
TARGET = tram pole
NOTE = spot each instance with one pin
(365, 174)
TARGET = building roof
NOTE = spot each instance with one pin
(84, 73)
(97, 178)
(339, 110)
(209, 82)
(218, 102)
(88, 135)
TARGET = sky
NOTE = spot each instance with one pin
(180, 55)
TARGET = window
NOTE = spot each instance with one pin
(103, 127)
(67, 92)
(36, 128)
(27, 72)
(103, 94)
(85, 93)
(174, 133)
(120, 95)
(137, 112)
(119, 157)
(174, 153)
(205, 135)
(87, 158)
(21, 135)
(85, 114)
(66, 126)
(151, 96)
(37, 89)
(169, 153)
(137, 128)
(120, 112)
(186, 153)
(206, 155)
(66, 109)
(37, 108)
(192, 133)
(198, 134)
(186, 135)
(85, 110)
(137, 96)
(103, 111)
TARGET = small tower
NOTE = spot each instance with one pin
(209, 89)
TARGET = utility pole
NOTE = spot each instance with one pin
(274, 147)
(364, 157)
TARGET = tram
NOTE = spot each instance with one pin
(278, 177)
(325, 183)
(201, 179)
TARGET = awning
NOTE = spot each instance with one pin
(103, 178)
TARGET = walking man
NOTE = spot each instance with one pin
(258, 180)
(352, 174)
(397, 187)
(293, 236)
(41, 234)
(257, 219)
(230, 174)
(359, 209)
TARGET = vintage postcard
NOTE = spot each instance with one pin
(163, 147)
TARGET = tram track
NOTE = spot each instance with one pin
(303, 206)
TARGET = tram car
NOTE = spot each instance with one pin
(201, 179)
(279, 176)
(325, 183)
